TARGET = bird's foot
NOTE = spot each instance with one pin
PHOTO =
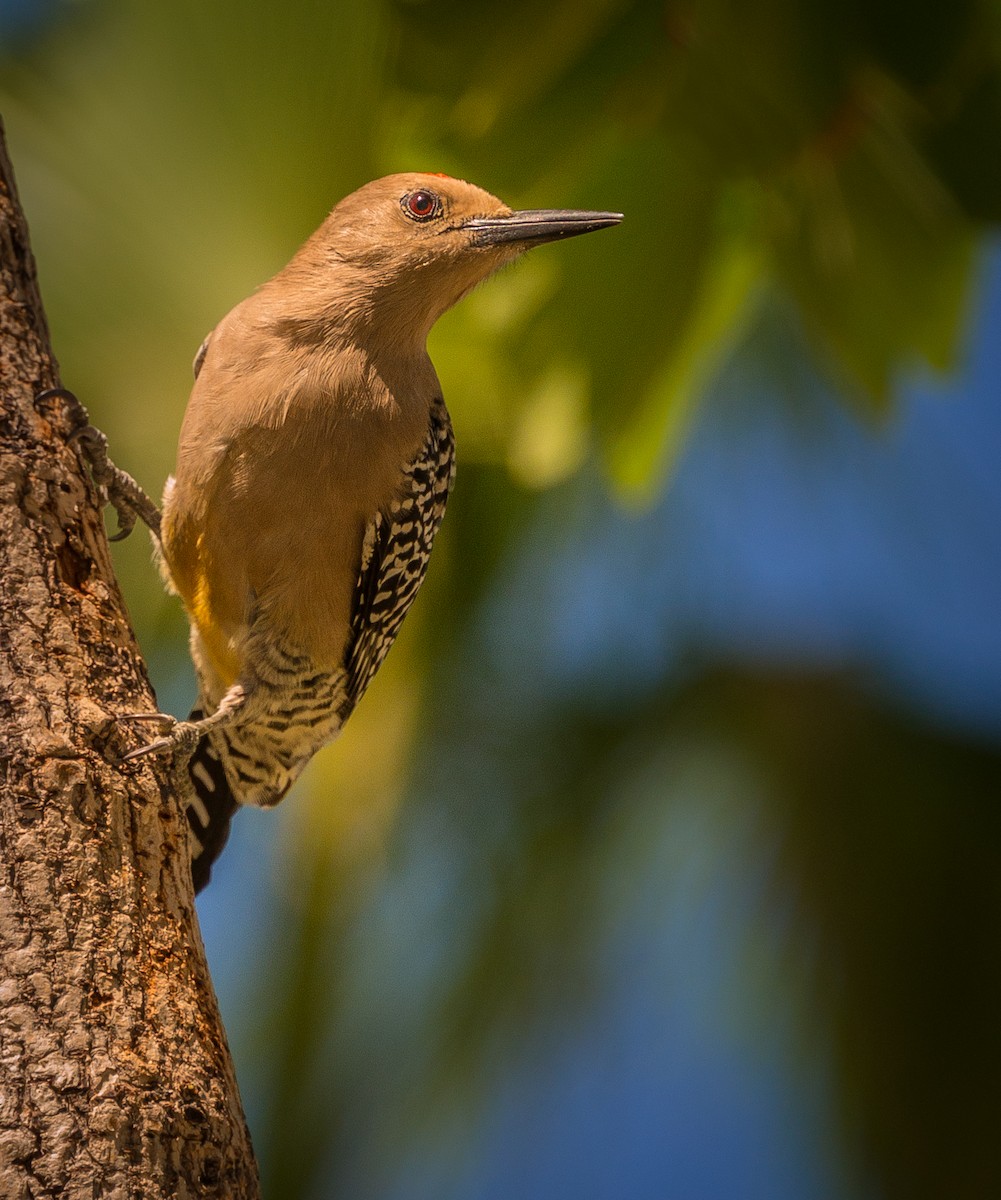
(181, 736)
(115, 486)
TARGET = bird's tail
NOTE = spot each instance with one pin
(230, 767)
(210, 806)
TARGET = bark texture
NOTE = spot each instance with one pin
(115, 1076)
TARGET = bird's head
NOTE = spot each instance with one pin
(412, 245)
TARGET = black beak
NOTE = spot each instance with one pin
(537, 225)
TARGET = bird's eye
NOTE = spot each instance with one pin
(422, 205)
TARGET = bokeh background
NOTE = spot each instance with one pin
(663, 857)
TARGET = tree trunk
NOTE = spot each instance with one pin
(115, 1075)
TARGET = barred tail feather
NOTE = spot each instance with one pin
(210, 807)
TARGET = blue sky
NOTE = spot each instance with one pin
(803, 537)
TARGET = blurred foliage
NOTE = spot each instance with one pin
(832, 151)
(452, 875)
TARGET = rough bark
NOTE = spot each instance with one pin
(115, 1076)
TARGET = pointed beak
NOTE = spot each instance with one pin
(536, 225)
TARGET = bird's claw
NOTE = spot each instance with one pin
(182, 736)
(137, 717)
(115, 486)
(126, 523)
(160, 746)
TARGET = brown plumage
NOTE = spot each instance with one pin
(314, 464)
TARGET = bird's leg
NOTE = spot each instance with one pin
(115, 486)
(185, 735)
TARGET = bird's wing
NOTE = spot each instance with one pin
(395, 555)
(203, 349)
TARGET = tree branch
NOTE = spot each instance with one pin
(115, 1075)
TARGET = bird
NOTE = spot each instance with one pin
(314, 463)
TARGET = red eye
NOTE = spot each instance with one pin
(421, 205)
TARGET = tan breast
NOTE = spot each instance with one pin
(279, 471)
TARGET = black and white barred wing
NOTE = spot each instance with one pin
(395, 555)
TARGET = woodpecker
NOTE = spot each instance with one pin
(314, 464)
